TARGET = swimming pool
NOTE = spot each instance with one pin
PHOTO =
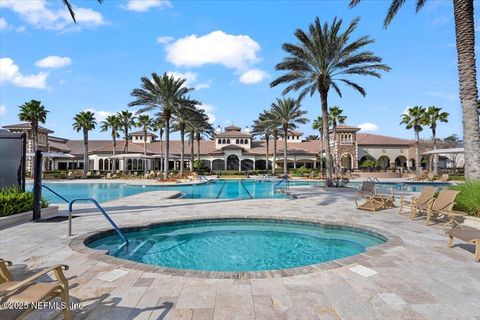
(238, 244)
(216, 189)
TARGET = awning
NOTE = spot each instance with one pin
(445, 151)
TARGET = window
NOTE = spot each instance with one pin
(228, 141)
(224, 141)
(237, 141)
(219, 141)
(100, 164)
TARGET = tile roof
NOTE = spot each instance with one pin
(232, 128)
(377, 139)
(140, 133)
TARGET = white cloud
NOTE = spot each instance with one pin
(43, 15)
(165, 39)
(368, 126)
(232, 51)
(145, 5)
(53, 62)
(3, 24)
(191, 78)
(10, 72)
(208, 111)
(100, 115)
(3, 110)
(253, 76)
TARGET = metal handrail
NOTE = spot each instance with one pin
(248, 192)
(55, 193)
(70, 209)
(201, 177)
(284, 180)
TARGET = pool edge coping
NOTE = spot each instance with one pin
(78, 244)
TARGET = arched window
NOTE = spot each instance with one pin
(129, 164)
(105, 164)
(224, 141)
(117, 164)
(228, 141)
(100, 164)
(219, 141)
(237, 141)
(134, 166)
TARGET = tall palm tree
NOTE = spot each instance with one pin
(435, 115)
(145, 123)
(127, 121)
(260, 127)
(165, 93)
(33, 112)
(465, 41)
(336, 117)
(288, 114)
(84, 121)
(182, 115)
(112, 123)
(415, 118)
(318, 125)
(324, 58)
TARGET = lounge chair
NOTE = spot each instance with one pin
(30, 292)
(469, 235)
(423, 200)
(442, 205)
(430, 176)
(443, 178)
(366, 190)
(378, 202)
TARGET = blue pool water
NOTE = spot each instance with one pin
(238, 245)
(221, 189)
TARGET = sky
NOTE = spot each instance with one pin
(227, 51)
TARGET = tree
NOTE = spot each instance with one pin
(435, 115)
(452, 141)
(288, 114)
(182, 115)
(84, 121)
(324, 58)
(335, 117)
(127, 121)
(112, 123)
(33, 112)
(465, 42)
(165, 93)
(262, 127)
(145, 123)
(414, 119)
(318, 125)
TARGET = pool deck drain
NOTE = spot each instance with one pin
(424, 280)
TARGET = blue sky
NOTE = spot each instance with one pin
(227, 50)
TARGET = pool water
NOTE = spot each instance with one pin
(238, 244)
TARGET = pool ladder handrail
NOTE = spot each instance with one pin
(283, 180)
(374, 180)
(70, 209)
(202, 177)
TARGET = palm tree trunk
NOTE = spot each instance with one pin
(266, 155)
(435, 156)
(160, 135)
(285, 146)
(274, 154)
(335, 147)
(145, 150)
(198, 147)
(167, 145)
(326, 142)
(321, 152)
(182, 152)
(417, 162)
(192, 151)
(85, 153)
(113, 153)
(125, 149)
(465, 39)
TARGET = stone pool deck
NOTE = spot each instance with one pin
(417, 277)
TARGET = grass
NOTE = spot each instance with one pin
(468, 200)
(13, 201)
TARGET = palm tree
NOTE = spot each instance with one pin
(311, 137)
(33, 112)
(318, 125)
(324, 58)
(335, 117)
(288, 114)
(112, 123)
(146, 123)
(84, 121)
(435, 115)
(414, 119)
(465, 41)
(158, 125)
(262, 127)
(182, 115)
(165, 93)
(127, 121)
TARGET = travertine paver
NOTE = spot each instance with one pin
(418, 278)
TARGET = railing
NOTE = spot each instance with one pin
(70, 209)
(284, 180)
(200, 177)
(221, 189)
(374, 180)
(248, 192)
(265, 177)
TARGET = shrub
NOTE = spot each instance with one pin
(468, 200)
(13, 201)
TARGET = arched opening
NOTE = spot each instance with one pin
(100, 164)
(228, 141)
(205, 164)
(346, 161)
(224, 141)
(219, 141)
(247, 165)
(400, 162)
(261, 165)
(233, 162)
(129, 164)
(412, 164)
(117, 164)
(218, 164)
(237, 141)
(384, 162)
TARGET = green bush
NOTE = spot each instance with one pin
(368, 164)
(468, 200)
(13, 201)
